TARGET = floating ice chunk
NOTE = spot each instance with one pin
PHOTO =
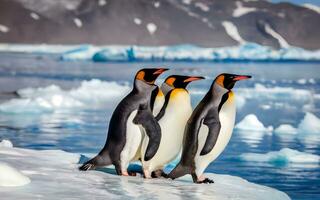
(310, 124)
(232, 31)
(6, 143)
(284, 156)
(89, 95)
(285, 129)
(10, 177)
(241, 10)
(302, 81)
(151, 27)
(4, 29)
(57, 173)
(251, 122)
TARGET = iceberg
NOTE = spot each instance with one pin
(56, 173)
(310, 124)
(285, 129)
(89, 95)
(251, 122)
(184, 52)
(282, 157)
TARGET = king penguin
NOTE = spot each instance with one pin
(131, 115)
(209, 129)
(172, 119)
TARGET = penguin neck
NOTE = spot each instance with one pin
(215, 93)
(165, 88)
(141, 87)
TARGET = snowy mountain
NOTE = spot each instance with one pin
(208, 23)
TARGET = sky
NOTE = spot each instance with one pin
(315, 2)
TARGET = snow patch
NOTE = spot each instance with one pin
(137, 21)
(89, 95)
(251, 122)
(232, 31)
(241, 10)
(187, 2)
(283, 43)
(56, 172)
(78, 22)
(6, 143)
(156, 4)
(312, 7)
(4, 29)
(34, 16)
(102, 2)
(284, 156)
(10, 177)
(202, 6)
(151, 27)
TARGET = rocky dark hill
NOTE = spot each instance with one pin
(209, 23)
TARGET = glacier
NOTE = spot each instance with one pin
(183, 52)
(56, 173)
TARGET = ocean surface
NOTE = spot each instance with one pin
(46, 103)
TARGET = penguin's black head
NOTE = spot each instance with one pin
(179, 81)
(228, 80)
(149, 75)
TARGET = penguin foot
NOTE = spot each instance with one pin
(206, 181)
(87, 166)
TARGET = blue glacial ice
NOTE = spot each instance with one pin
(56, 173)
(185, 52)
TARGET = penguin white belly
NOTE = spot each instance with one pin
(172, 126)
(158, 103)
(227, 119)
(133, 142)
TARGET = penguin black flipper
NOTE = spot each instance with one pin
(212, 121)
(146, 119)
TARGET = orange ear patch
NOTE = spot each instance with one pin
(140, 75)
(170, 81)
(220, 80)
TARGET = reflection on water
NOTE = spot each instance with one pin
(276, 95)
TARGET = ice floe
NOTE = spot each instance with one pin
(10, 177)
(285, 129)
(251, 122)
(89, 95)
(245, 51)
(284, 156)
(57, 176)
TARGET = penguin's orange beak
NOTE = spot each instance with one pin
(160, 71)
(193, 78)
(241, 77)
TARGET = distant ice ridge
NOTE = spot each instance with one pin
(283, 157)
(245, 51)
(89, 95)
(56, 173)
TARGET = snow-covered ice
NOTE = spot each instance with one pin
(10, 177)
(89, 94)
(284, 156)
(54, 175)
(251, 122)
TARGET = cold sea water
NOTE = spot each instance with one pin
(46, 103)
